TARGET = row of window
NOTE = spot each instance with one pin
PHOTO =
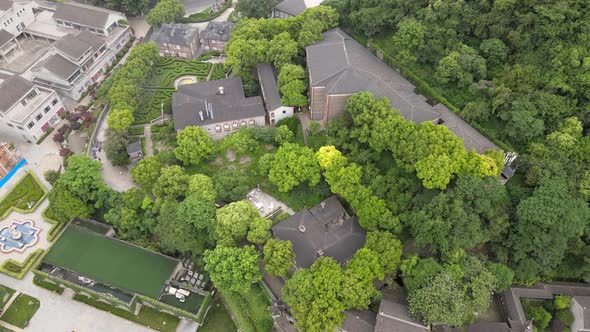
(40, 115)
(29, 96)
(175, 46)
(234, 125)
(8, 21)
(79, 27)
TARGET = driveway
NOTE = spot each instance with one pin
(221, 18)
(61, 313)
(196, 6)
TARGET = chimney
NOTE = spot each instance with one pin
(211, 110)
(172, 31)
(221, 90)
(323, 204)
(302, 228)
(201, 115)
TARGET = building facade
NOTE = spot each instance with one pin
(215, 36)
(177, 40)
(270, 93)
(28, 109)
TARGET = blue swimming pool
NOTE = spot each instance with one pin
(13, 171)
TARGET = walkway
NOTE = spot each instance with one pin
(147, 134)
(60, 313)
(305, 119)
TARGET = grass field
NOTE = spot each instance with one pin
(218, 319)
(27, 190)
(111, 262)
(250, 310)
(21, 310)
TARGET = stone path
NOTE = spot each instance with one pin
(147, 134)
(61, 313)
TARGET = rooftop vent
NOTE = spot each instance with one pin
(221, 92)
(323, 204)
(172, 32)
(201, 116)
(302, 228)
(320, 252)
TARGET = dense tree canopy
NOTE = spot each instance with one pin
(256, 8)
(233, 222)
(278, 257)
(166, 11)
(233, 269)
(292, 165)
(194, 145)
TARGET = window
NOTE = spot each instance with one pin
(24, 102)
(272, 114)
(284, 112)
(243, 123)
(21, 128)
(47, 109)
(54, 102)
(31, 125)
(218, 128)
(235, 125)
(252, 122)
(226, 127)
(39, 116)
(177, 47)
(10, 125)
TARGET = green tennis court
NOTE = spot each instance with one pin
(111, 261)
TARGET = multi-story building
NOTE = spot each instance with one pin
(177, 40)
(14, 17)
(27, 108)
(290, 8)
(219, 107)
(215, 36)
(88, 40)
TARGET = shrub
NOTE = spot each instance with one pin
(540, 316)
(562, 302)
(60, 134)
(565, 316)
(51, 176)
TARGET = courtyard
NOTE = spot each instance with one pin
(33, 49)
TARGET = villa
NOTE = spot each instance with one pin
(177, 40)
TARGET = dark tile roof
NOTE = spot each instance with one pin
(76, 46)
(324, 230)
(358, 321)
(12, 90)
(217, 31)
(292, 7)
(6, 4)
(58, 65)
(191, 99)
(396, 317)
(268, 84)
(134, 147)
(175, 34)
(5, 37)
(344, 66)
(82, 14)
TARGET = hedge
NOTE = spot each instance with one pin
(43, 283)
(27, 193)
(56, 228)
(17, 269)
(47, 132)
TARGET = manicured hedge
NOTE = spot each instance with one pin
(17, 269)
(28, 189)
(37, 280)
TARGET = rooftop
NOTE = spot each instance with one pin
(58, 65)
(175, 34)
(296, 7)
(12, 90)
(344, 66)
(192, 100)
(395, 316)
(217, 31)
(358, 321)
(324, 230)
(134, 147)
(268, 83)
(75, 46)
(82, 14)
(5, 37)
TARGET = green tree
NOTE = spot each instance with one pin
(358, 289)
(82, 177)
(408, 41)
(292, 165)
(278, 257)
(283, 134)
(194, 145)
(259, 231)
(388, 248)
(181, 230)
(282, 50)
(64, 205)
(294, 94)
(202, 186)
(462, 67)
(147, 172)
(116, 148)
(290, 72)
(231, 185)
(233, 222)
(256, 8)
(562, 302)
(135, 7)
(243, 55)
(241, 142)
(314, 296)
(120, 119)
(166, 11)
(233, 269)
(172, 183)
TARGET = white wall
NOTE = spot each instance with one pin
(280, 113)
(19, 13)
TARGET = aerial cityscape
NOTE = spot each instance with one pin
(294, 165)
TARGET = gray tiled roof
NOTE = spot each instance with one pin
(268, 83)
(396, 317)
(58, 65)
(292, 7)
(175, 34)
(358, 321)
(5, 37)
(75, 46)
(82, 14)
(217, 31)
(6, 4)
(133, 147)
(344, 66)
(12, 90)
(338, 238)
(191, 99)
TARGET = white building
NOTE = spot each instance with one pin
(27, 108)
(275, 109)
(14, 17)
(88, 39)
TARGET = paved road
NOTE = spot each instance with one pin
(60, 313)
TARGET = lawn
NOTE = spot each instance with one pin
(147, 316)
(218, 319)
(192, 303)
(21, 311)
(25, 191)
(250, 310)
(5, 295)
(111, 261)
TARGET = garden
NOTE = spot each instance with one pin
(26, 194)
(21, 311)
(550, 315)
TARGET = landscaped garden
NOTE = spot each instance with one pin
(27, 190)
(218, 319)
(21, 311)
(5, 294)
(218, 72)
(250, 310)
